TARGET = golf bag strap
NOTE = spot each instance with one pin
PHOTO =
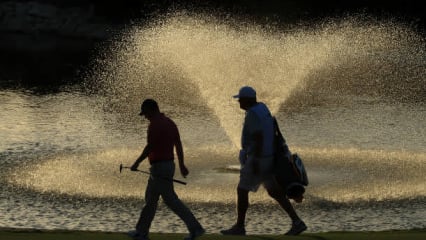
(277, 129)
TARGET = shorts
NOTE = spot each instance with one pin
(251, 182)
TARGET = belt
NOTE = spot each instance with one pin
(160, 161)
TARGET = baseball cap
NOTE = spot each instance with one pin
(246, 92)
(148, 104)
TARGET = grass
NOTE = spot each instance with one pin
(15, 234)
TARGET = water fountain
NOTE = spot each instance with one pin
(349, 95)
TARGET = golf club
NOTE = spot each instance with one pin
(174, 180)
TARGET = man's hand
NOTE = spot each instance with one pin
(243, 156)
(183, 170)
(135, 166)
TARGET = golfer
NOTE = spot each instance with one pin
(163, 137)
(256, 159)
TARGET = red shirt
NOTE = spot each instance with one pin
(163, 134)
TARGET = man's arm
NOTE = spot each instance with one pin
(179, 152)
(144, 155)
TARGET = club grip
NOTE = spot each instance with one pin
(178, 181)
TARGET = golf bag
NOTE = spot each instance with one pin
(290, 171)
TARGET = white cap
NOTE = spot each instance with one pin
(246, 92)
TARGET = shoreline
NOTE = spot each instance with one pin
(37, 234)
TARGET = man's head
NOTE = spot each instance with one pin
(149, 107)
(246, 97)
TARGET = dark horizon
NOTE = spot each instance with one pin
(46, 52)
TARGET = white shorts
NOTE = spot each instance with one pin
(251, 182)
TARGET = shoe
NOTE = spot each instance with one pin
(194, 234)
(142, 237)
(296, 229)
(234, 230)
(133, 234)
(137, 236)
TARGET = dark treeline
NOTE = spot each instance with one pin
(70, 52)
(290, 10)
(121, 11)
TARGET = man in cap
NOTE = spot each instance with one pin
(163, 136)
(256, 159)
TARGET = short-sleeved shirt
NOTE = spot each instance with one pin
(258, 119)
(163, 134)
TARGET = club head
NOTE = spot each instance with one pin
(121, 167)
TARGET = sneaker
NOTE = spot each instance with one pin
(137, 236)
(234, 230)
(142, 237)
(133, 234)
(296, 228)
(194, 234)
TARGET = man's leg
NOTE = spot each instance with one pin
(242, 206)
(284, 202)
(172, 200)
(149, 209)
(248, 182)
(278, 194)
(178, 207)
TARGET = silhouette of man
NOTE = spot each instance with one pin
(256, 159)
(163, 137)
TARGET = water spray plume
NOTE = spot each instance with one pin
(192, 61)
